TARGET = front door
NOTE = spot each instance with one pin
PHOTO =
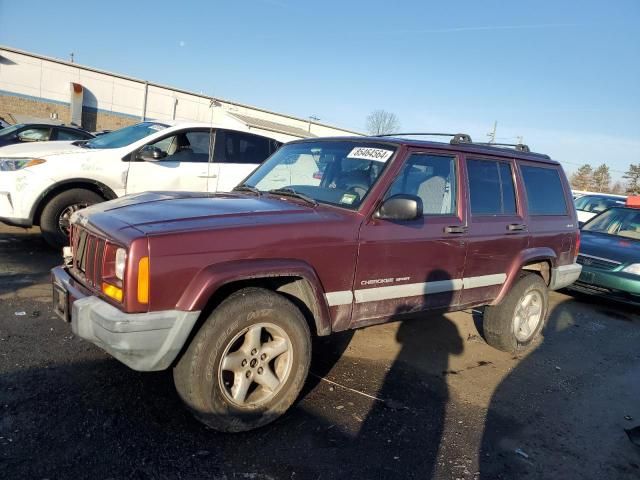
(415, 265)
(497, 228)
(182, 163)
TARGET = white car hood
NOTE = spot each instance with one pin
(39, 149)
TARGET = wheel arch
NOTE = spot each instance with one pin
(296, 280)
(95, 186)
(539, 260)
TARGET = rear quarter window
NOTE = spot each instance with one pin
(545, 193)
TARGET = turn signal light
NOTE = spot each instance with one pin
(143, 280)
(112, 291)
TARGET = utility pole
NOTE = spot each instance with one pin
(71, 57)
(492, 134)
(520, 139)
(314, 118)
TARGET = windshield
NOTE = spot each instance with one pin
(597, 203)
(9, 130)
(125, 136)
(623, 222)
(331, 172)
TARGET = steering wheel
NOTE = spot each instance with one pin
(359, 189)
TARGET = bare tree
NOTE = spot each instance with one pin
(380, 122)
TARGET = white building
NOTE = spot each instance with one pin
(42, 87)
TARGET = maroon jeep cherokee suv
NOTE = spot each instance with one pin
(326, 235)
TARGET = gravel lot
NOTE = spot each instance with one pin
(416, 399)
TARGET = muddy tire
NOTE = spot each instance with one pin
(248, 362)
(54, 221)
(517, 321)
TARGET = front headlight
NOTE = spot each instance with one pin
(633, 268)
(9, 164)
(121, 259)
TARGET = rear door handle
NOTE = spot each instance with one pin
(456, 229)
(516, 227)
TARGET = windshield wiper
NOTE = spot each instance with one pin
(290, 192)
(247, 188)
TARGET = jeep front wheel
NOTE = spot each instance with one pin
(517, 321)
(248, 362)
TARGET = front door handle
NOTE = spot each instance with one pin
(207, 176)
(456, 229)
(516, 227)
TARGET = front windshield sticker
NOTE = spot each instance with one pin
(348, 198)
(376, 154)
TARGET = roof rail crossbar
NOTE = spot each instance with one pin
(456, 137)
(521, 147)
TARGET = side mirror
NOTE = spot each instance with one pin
(400, 207)
(149, 153)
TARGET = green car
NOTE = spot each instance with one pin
(610, 255)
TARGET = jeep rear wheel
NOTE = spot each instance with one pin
(517, 321)
(56, 215)
(247, 364)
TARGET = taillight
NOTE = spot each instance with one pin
(577, 246)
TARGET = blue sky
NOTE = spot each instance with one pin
(564, 75)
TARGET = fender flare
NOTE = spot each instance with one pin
(529, 255)
(39, 204)
(210, 279)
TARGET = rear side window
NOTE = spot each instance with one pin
(238, 147)
(64, 134)
(491, 187)
(545, 195)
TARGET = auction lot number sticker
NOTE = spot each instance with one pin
(365, 153)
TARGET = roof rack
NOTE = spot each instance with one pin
(521, 147)
(456, 137)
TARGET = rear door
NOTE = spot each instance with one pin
(497, 228)
(184, 165)
(410, 266)
(236, 155)
(552, 223)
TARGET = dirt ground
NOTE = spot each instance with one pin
(424, 398)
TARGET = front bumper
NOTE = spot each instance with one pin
(619, 286)
(142, 341)
(564, 275)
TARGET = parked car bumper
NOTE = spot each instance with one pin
(564, 275)
(142, 341)
(619, 286)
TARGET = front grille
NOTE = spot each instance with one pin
(88, 254)
(597, 262)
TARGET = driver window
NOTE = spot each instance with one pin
(433, 179)
(35, 134)
(185, 147)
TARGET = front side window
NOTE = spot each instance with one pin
(184, 147)
(125, 136)
(330, 172)
(491, 188)
(433, 179)
(36, 134)
(545, 194)
(623, 222)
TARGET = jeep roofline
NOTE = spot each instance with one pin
(475, 148)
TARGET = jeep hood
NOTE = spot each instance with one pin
(39, 149)
(156, 213)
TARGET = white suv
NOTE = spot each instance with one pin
(44, 183)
